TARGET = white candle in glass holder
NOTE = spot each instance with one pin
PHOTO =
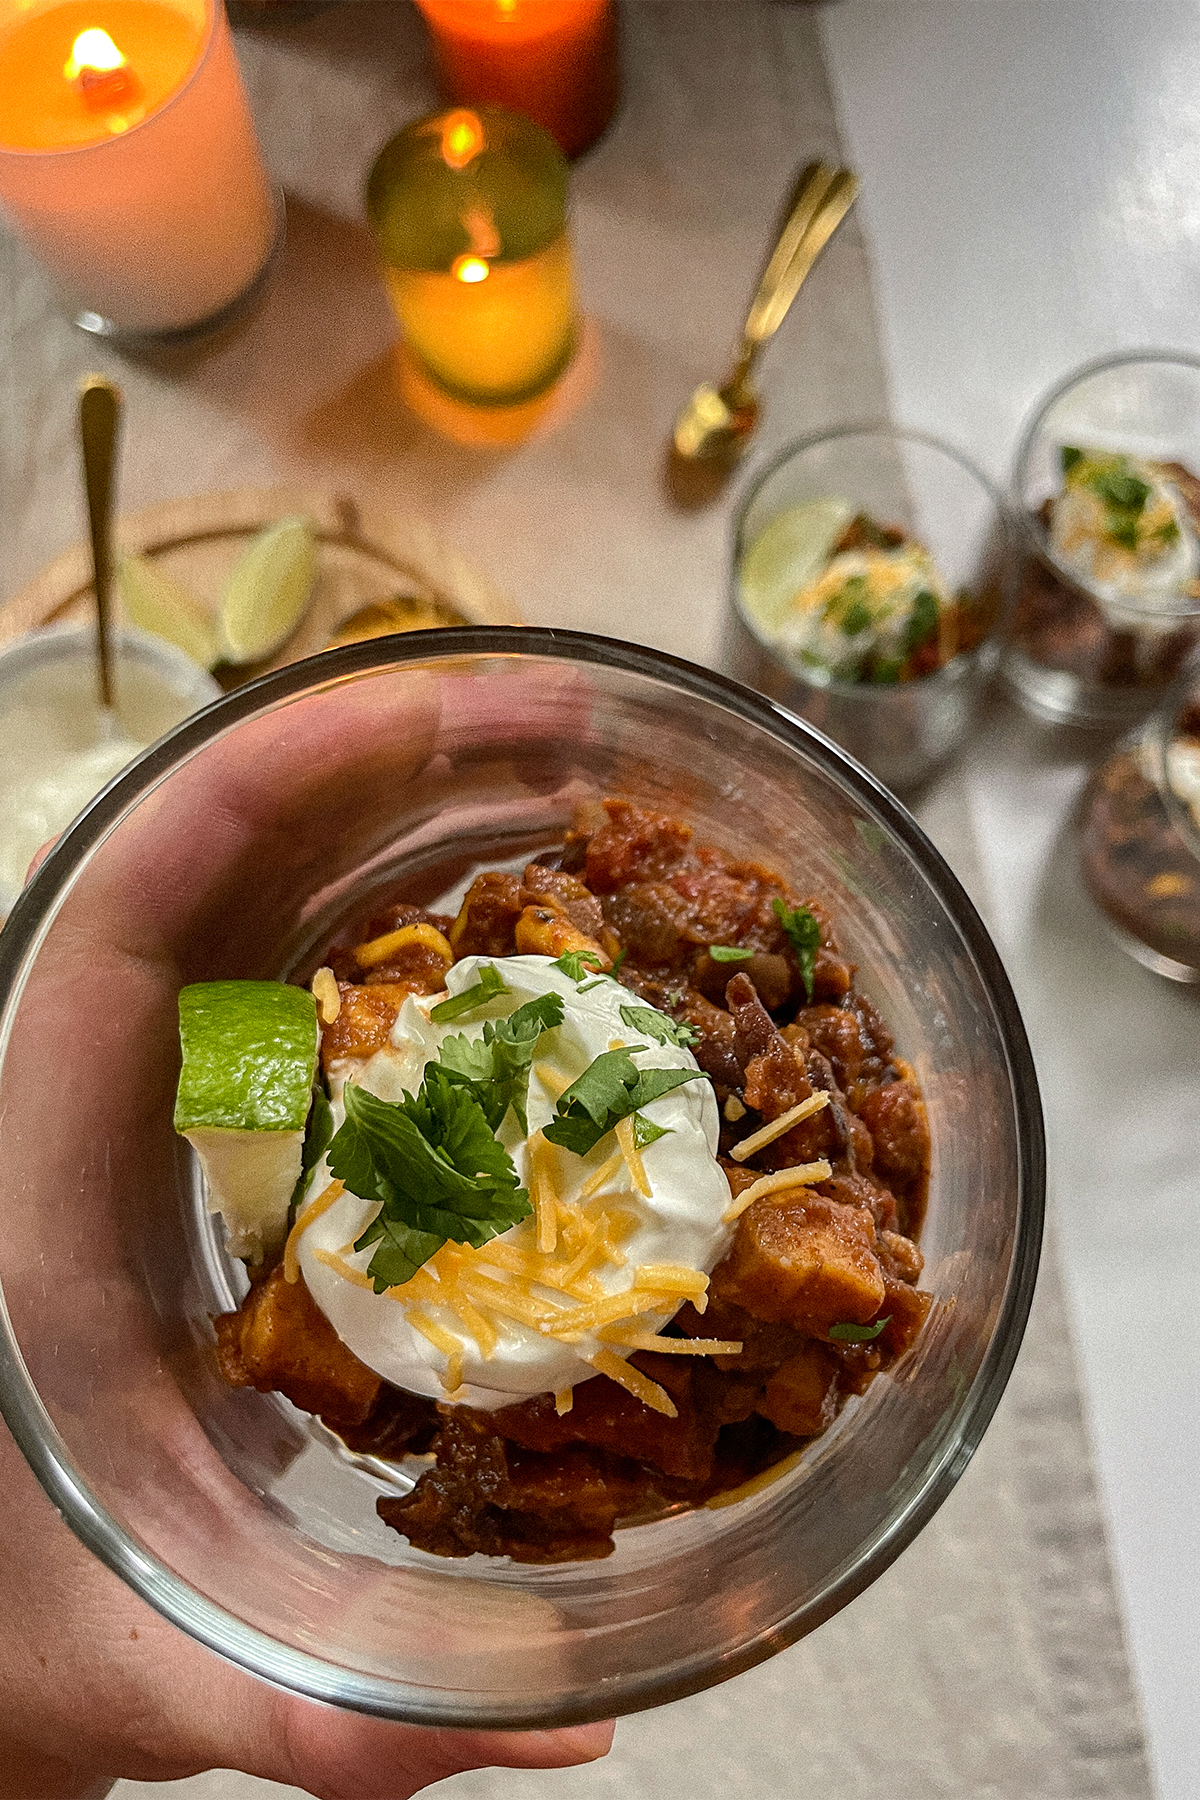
(128, 159)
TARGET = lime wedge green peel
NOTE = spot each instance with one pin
(156, 603)
(249, 1061)
(268, 592)
(788, 555)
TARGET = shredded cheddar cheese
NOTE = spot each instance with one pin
(766, 1134)
(314, 1209)
(555, 1084)
(644, 1340)
(601, 1176)
(564, 1400)
(342, 1268)
(633, 1158)
(803, 1175)
(635, 1383)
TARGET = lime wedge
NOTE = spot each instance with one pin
(160, 605)
(789, 554)
(269, 590)
(249, 1060)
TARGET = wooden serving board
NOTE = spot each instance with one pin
(367, 558)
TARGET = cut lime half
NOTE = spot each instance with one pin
(788, 555)
(268, 592)
(249, 1061)
(158, 604)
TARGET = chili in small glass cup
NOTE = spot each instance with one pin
(1098, 635)
(1140, 836)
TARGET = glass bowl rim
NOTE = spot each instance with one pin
(310, 1675)
(959, 668)
(1030, 531)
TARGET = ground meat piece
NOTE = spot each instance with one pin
(857, 1190)
(834, 1031)
(803, 1260)
(832, 975)
(895, 1117)
(418, 968)
(908, 1310)
(765, 1342)
(279, 1340)
(899, 1257)
(754, 1028)
(649, 918)
(487, 919)
(364, 1023)
(568, 896)
(484, 1494)
(399, 1424)
(633, 845)
(801, 1396)
(604, 1414)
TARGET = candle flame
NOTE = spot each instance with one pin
(470, 268)
(462, 138)
(92, 49)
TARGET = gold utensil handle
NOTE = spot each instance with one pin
(99, 423)
(824, 198)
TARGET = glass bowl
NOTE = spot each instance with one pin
(904, 731)
(1139, 835)
(229, 850)
(1074, 655)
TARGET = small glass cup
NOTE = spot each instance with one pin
(1139, 835)
(57, 750)
(1075, 654)
(470, 212)
(903, 731)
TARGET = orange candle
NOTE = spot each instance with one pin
(554, 60)
(128, 159)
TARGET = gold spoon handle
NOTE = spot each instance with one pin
(823, 199)
(99, 422)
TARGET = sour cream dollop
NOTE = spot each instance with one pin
(682, 1224)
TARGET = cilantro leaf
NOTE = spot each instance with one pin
(1069, 456)
(577, 965)
(317, 1136)
(656, 1025)
(434, 1165)
(609, 1090)
(803, 932)
(729, 953)
(645, 1131)
(924, 621)
(489, 987)
(858, 1334)
(497, 1065)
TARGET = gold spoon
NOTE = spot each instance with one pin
(717, 422)
(99, 422)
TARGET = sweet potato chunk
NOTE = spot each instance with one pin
(280, 1340)
(487, 918)
(804, 1260)
(801, 1396)
(365, 1021)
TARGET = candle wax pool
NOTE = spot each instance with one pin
(41, 109)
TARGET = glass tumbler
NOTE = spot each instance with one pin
(1077, 653)
(470, 212)
(905, 731)
(1139, 835)
(231, 850)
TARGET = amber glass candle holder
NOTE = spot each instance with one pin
(470, 212)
